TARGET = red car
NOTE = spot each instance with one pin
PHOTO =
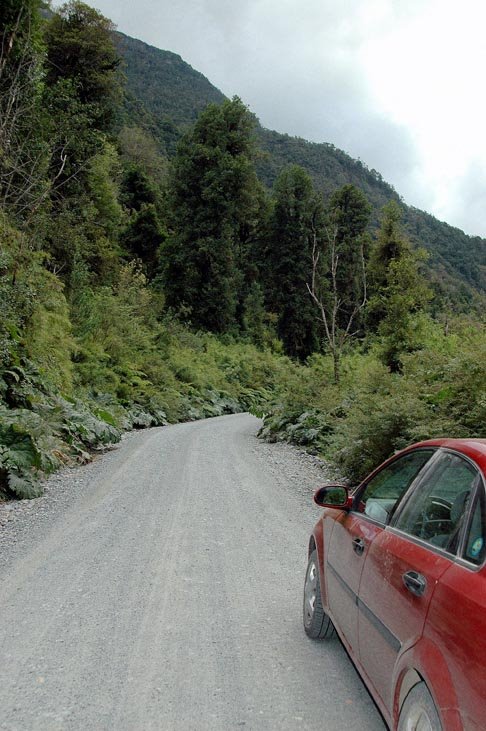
(397, 568)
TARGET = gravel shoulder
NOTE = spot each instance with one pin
(159, 587)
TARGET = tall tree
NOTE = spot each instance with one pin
(144, 237)
(81, 49)
(348, 218)
(295, 221)
(81, 94)
(399, 290)
(24, 150)
(83, 86)
(338, 282)
(211, 191)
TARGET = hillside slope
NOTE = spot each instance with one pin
(172, 93)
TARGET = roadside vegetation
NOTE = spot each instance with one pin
(140, 288)
(372, 412)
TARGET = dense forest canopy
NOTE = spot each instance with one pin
(162, 257)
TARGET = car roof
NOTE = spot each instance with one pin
(475, 449)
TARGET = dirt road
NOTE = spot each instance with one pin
(165, 593)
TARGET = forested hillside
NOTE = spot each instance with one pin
(185, 94)
(174, 93)
(157, 264)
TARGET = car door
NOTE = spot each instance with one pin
(404, 564)
(354, 532)
(456, 621)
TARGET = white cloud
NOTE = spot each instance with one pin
(431, 83)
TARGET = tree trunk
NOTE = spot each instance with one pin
(337, 366)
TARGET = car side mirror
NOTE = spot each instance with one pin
(333, 496)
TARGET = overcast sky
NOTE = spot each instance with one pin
(396, 83)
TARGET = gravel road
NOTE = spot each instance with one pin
(160, 588)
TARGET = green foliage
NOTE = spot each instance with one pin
(48, 338)
(81, 49)
(386, 414)
(257, 323)
(144, 237)
(184, 96)
(441, 391)
(81, 93)
(296, 217)
(211, 190)
(308, 429)
(20, 455)
(129, 356)
(16, 293)
(103, 179)
(43, 432)
(139, 152)
(137, 189)
(339, 279)
(24, 147)
(399, 291)
(349, 215)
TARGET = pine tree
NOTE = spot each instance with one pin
(212, 190)
(349, 216)
(144, 237)
(295, 219)
(399, 290)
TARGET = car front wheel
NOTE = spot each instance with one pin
(419, 712)
(316, 622)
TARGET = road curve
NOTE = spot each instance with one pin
(168, 597)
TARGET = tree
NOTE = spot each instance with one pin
(24, 149)
(139, 149)
(349, 216)
(82, 90)
(137, 189)
(399, 290)
(212, 188)
(338, 281)
(80, 48)
(294, 222)
(256, 321)
(81, 93)
(144, 237)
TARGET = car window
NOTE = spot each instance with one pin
(475, 545)
(384, 490)
(436, 510)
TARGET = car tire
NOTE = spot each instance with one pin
(419, 712)
(317, 624)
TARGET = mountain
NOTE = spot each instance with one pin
(165, 95)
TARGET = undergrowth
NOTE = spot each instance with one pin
(372, 413)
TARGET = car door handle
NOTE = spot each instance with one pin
(358, 546)
(415, 583)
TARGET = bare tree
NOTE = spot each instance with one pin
(336, 314)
